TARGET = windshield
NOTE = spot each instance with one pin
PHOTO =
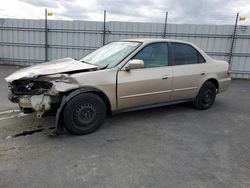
(111, 54)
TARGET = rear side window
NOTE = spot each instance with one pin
(185, 54)
(154, 55)
(200, 58)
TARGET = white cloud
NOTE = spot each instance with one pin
(185, 11)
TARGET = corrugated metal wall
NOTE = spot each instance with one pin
(22, 42)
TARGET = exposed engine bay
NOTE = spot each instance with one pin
(33, 95)
(30, 94)
(29, 87)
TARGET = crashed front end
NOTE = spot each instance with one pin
(35, 95)
(40, 88)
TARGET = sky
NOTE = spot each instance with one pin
(179, 11)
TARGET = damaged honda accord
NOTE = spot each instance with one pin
(121, 76)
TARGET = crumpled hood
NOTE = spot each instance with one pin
(53, 67)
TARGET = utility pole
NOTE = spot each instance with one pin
(46, 35)
(104, 28)
(233, 39)
(165, 25)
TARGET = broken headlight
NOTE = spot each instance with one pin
(29, 87)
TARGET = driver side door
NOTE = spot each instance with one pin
(149, 85)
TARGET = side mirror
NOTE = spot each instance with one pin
(134, 64)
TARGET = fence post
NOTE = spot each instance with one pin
(233, 39)
(104, 28)
(165, 25)
(46, 36)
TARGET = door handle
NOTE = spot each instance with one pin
(165, 77)
(203, 73)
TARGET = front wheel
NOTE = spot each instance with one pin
(84, 113)
(206, 96)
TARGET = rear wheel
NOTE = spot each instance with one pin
(84, 113)
(206, 96)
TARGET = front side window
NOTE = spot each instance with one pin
(154, 55)
(111, 54)
(184, 54)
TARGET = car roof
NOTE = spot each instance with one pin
(149, 40)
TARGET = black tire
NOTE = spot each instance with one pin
(84, 113)
(206, 96)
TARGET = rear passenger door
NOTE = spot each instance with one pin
(188, 70)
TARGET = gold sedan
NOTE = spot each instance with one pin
(120, 76)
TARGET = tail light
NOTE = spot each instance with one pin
(229, 69)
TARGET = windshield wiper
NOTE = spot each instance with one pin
(99, 67)
(104, 67)
(86, 62)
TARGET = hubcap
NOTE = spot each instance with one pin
(85, 114)
(207, 98)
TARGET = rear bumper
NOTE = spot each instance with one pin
(224, 84)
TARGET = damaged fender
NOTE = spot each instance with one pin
(65, 99)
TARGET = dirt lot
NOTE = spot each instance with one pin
(173, 146)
